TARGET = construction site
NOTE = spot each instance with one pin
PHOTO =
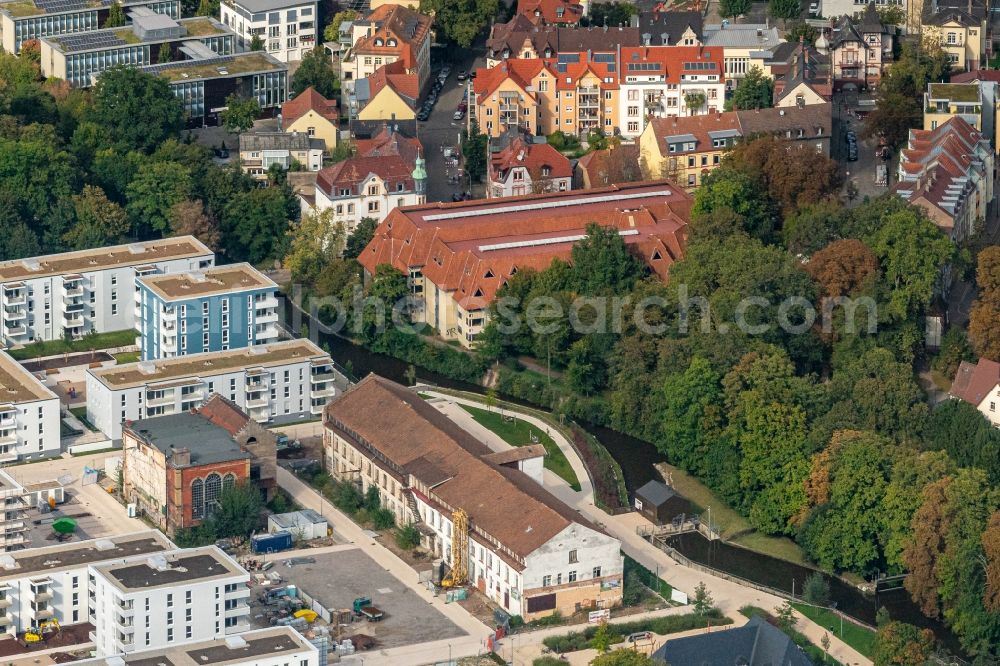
(352, 598)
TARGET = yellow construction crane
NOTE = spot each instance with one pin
(459, 574)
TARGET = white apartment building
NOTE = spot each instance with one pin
(526, 550)
(286, 28)
(13, 507)
(276, 646)
(43, 298)
(664, 81)
(29, 415)
(38, 584)
(167, 599)
(740, 42)
(282, 380)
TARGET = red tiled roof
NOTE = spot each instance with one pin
(974, 382)
(595, 164)
(414, 437)
(455, 245)
(568, 74)
(390, 155)
(406, 27)
(699, 126)
(976, 75)
(309, 100)
(550, 11)
(395, 75)
(531, 156)
(671, 60)
(224, 414)
(521, 72)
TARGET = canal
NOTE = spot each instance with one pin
(636, 459)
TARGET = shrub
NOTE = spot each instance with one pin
(816, 590)
(383, 519)
(407, 537)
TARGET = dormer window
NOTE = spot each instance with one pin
(546, 171)
(391, 42)
(488, 274)
(378, 41)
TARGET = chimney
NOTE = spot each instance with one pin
(970, 7)
(180, 457)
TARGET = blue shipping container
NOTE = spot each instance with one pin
(271, 543)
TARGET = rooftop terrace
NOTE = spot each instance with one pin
(211, 282)
(955, 92)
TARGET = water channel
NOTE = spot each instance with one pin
(636, 459)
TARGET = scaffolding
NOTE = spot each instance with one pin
(459, 574)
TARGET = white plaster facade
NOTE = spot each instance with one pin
(287, 28)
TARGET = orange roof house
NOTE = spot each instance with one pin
(314, 115)
(462, 253)
(551, 11)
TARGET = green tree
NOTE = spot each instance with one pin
(316, 243)
(901, 644)
(138, 110)
(738, 191)
(460, 21)
(165, 54)
(332, 31)
(804, 31)
(703, 602)
(99, 222)
(611, 13)
(731, 8)
(755, 91)
(602, 638)
(386, 293)
(966, 435)
(912, 252)
(784, 9)
(256, 43)
(474, 145)
(816, 589)
(255, 224)
(358, 239)
(407, 537)
(238, 511)
(784, 616)
(240, 113)
(691, 415)
(153, 192)
(116, 16)
(18, 242)
(602, 262)
(622, 657)
(315, 71)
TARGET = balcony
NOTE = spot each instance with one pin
(72, 320)
(166, 399)
(265, 332)
(317, 407)
(44, 614)
(326, 375)
(323, 391)
(15, 330)
(266, 317)
(257, 402)
(11, 314)
(14, 297)
(73, 304)
(241, 592)
(237, 610)
(74, 290)
(169, 344)
(258, 382)
(168, 315)
(6, 621)
(8, 419)
(267, 303)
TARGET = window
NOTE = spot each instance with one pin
(572, 557)
(993, 406)
(170, 603)
(558, 579)
(543, 86)
(692, 180)
(170, 634)
(597, 572)
(187, 631)
(372, 206)
(546, 581)
(572, 577)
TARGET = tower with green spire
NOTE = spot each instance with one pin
(420, 177)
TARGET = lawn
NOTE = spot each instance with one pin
(126, 357)
(86, 343)
(728, 521)
(516, 432)
(859, 638)
(81, 415)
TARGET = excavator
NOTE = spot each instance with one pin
(40, 632)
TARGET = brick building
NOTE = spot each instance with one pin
(176, 467)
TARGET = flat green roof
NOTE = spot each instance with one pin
(955, 92)
(234, 65)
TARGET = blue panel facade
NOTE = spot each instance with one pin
(196, 325)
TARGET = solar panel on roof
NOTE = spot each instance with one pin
(55, 6)
(644, 66)
(604, 57)
(561, 67)
(569, 57)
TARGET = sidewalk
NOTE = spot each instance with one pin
(729, 596)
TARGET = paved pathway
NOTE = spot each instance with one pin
(729, 596)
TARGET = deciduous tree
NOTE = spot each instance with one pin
(359, 238)
(460, 21)
(755, 90)
(731, 8)
(602, 262)
(138, 110)
(99, 222)
(784, 9)
(901, 644)
(843, 267)
(116, 16)
(255, 225)
(332, 31)
(240, 113)
(316, 243)
(316, 71)
(153, 192)
(188, 218)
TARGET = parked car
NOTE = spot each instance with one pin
(423, 115)
(852, 153)
(851, 137)
(463, 75)
(458, 115)
(813, 9)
